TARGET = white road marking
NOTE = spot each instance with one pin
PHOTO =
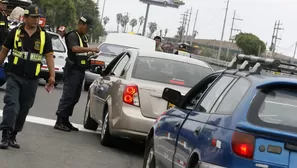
(50, 122)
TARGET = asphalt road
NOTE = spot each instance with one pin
(44, 147)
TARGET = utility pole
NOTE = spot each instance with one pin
(183, 22)
(231, 32)
(295, 50)
(194, 27)
(275, 36)
(102, 9)
(189, 21)
(223, 30)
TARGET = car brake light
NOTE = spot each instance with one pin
(243, 145)
(130, 95)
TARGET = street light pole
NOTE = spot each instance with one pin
(145, 19)
(223, 30)
(102, 9)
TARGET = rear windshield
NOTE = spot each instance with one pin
(113, 48)
(169, 71)
(58, 45)
(277, 109)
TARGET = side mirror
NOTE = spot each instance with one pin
(172, 96)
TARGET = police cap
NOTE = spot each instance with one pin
(86, 20)
(4, 1)
(32, 10)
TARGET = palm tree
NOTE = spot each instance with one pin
(141, 20)
(133, 23)
(119, 21)
(153, 27)
(166, 31)
(124, 22)
(105, 20)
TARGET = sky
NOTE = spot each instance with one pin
(258, 17)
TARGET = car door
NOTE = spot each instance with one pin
(106, 84)
(166, 134)
(190, 130)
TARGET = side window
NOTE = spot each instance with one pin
(233, 97)
(121, 65)
(213, 94)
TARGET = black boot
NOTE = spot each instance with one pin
(61, 124)
(70, 126)
(5, 140)
(12, 141)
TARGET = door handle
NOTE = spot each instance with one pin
(197, 131)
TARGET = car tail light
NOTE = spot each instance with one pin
(243, 145)
(130, 95)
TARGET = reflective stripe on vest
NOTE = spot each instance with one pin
(84, 61)
(2, 23)
(18, 43)
(34, 57)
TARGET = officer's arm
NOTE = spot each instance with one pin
(49, 55)
(72, 42)
(8, 44)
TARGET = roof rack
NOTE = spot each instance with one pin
(255, 64)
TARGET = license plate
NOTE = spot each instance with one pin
(170, 105)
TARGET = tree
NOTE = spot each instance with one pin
(125, 20)
(180, 31)
(152, 27)
(105, 20)
(133, 23)
(166, 31)
(119, 20)
(250, 44)
(161, 31)
(141, 20)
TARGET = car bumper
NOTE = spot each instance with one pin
(130, 123)
(208, 165)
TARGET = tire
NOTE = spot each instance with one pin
(86, 86)
(106, 138)
(149, 156)
(165, 2)
(89, 123)
(2, 82)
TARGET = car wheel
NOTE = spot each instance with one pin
(89, 123)
(86, 86)
(106, 138)
(165, 2)
(2, 82)
(149, 155)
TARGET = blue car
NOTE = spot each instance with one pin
(242, 117)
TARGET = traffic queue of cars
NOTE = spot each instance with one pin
(235, 118)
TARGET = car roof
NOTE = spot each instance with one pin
(264, 77)
(157, 54)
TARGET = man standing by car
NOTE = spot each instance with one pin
(29, 44)
(3, 21)
(74, 72)
(158, 40)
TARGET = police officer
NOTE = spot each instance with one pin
(74, 72)
(29, 43)
(182, 50)
(3, 21)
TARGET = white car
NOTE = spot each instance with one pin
(60, 54)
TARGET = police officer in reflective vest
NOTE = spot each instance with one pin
(182, 50)
(74, 72)
(28, 44)
(3, 21)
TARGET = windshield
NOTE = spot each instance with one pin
(57, 43)
(169, 71)
(113, 48)
(280, 107)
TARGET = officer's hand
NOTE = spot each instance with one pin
(95, 50)
(51, 80)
